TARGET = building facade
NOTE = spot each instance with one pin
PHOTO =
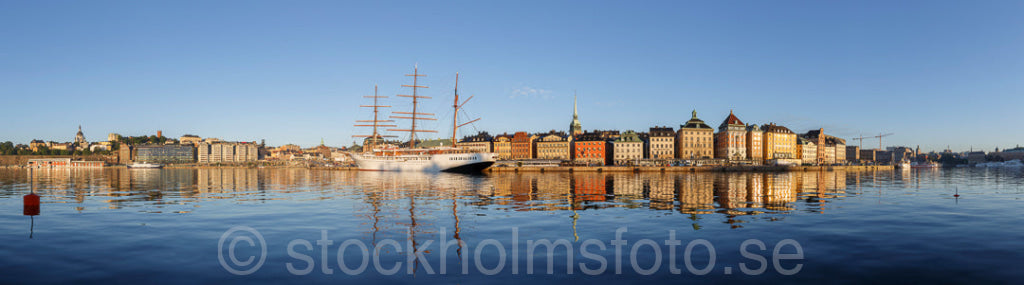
(227, 152)
(807, 151)
(779, 142)
(165, 154)
(661, 143)
(755, 144)
(481, 142)
(695, 139)
(553, 145)
(831, 149)
(502, 145)
(852, 153)
(628, 149)
(731, 139)
(589, 149)
(522, 145)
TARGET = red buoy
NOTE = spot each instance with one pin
(31, 204)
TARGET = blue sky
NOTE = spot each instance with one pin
(935, 73)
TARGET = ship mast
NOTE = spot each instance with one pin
(457, 106)
(375, 136)
(414, 115)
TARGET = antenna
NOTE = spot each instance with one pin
(414, 115)
(375, 136)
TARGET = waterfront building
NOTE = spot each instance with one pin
(190, 140)
(231, 152)
(503, 146)
(1009, 154)
(522, 145)
(575, 128)
(481, 142)
(731, 139)
(165, 153)
(589, 149)
(852, 153)
(695, 139)
(831, 149)
(868, 155)
(553, 145)
(885, 157)
(62, 163)
(113, 137)
(975, 157)
(627, 149)
(902, 153)
(660, 144)
(80, 138)
(755, 144)
(779, 142)
(807, 151)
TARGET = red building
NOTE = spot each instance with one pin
(589, 149)
(522, 145)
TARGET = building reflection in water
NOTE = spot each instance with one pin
(398, 202)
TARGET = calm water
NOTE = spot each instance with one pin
(188, 225)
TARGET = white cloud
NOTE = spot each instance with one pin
(527, 91)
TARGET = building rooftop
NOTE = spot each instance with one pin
(730, 120)
(693, 123)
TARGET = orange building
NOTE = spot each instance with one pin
(522, 145)
(589, 148)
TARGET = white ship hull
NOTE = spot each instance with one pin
(145, 165)
(454, 162)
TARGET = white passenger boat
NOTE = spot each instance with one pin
(145, 165)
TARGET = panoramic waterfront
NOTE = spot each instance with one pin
(181, 225)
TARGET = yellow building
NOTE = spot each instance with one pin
(779, 142)
(695, 139)
(553, 145)
(502, 145)
(754, 144)
(480, 142)
(661, 142)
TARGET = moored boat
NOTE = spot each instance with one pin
(929, 164)
(903, 165)
(144, 165)
(383, 157)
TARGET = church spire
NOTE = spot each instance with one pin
(575, 128)
(574, 114)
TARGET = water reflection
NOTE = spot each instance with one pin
(730, 194)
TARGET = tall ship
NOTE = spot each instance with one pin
(378, 155)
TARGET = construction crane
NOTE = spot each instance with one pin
(879, 136)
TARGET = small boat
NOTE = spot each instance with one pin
(930, 164)
(145, 165)
(903, 164)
